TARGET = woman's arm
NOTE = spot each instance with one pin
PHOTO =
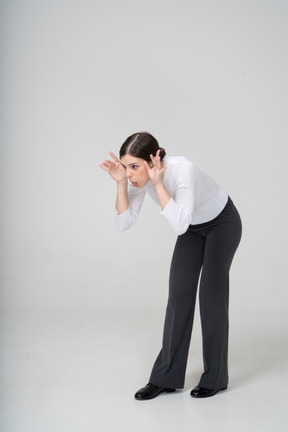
(128, 204)
(118, 173)
(163, 195)
(156, 173)
(122, 202)
(177, 210)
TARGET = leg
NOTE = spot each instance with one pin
(170, 366)
(221, 243)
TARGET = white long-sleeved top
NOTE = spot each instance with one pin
(195, 197)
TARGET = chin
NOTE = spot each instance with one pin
(141, 186)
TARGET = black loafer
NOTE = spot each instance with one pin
(202, 392)
(150, 391)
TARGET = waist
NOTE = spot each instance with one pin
(229, 207)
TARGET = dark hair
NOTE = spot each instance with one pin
(141, 145)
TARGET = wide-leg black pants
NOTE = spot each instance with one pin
(208, 249)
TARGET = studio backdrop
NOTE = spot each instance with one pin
(208, 79)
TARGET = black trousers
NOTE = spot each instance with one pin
(209, 247)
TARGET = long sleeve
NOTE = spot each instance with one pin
(127, 219)
(177, 217)
(179, 209)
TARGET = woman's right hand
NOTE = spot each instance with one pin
(115, 169)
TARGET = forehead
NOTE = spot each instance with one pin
(130, 160)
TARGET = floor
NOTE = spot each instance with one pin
(74, 370)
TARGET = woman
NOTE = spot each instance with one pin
(209, 230)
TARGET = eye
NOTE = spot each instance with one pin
(134, 166)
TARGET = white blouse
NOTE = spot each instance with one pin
(195, 197)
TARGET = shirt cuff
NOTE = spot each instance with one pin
(177, 217)
(125, 220)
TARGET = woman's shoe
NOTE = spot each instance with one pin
(150, 391)
(202, 392)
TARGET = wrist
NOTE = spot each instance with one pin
(163, 195)
(159, 185)
(123, 182)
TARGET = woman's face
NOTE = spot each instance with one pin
(135, 171)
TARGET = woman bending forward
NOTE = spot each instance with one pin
(208, 227)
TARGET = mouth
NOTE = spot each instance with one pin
(134, 184)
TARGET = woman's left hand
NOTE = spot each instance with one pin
(156, 169)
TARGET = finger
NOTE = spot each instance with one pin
(114, 157)
(104, 168)
(107, 166)
(109, 163)
(153, 159)
(158, 158)
(146, 165)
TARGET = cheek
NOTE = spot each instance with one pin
(140, 172)
(144, 173)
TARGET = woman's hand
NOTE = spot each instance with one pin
(115, 169)
(156, 169)
(156, 173)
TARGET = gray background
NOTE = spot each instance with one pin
(209, 80)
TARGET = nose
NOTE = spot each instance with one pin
(128, 174)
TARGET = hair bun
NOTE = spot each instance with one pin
(162, 153)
